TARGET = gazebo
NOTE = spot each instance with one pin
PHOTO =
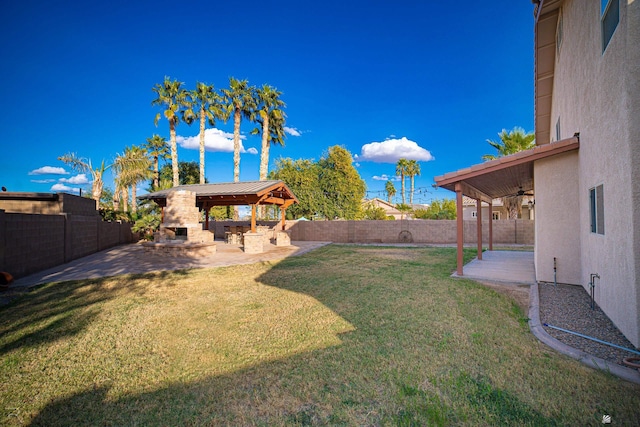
(252, 193)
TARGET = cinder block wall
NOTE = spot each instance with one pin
(419, 231)
(34, 242)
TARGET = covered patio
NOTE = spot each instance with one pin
(506, 176)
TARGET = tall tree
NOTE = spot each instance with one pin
(204, 104)
(301, 176)
(271, 117)
(240, 102)
(189, 173)
(401, 171)
(342, 185)
(81, 164)
(131, 167)
(173, 98)
(391, 191)
(157, 149)
(511, 142)
(413, 169)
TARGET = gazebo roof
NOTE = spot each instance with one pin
(232, 193)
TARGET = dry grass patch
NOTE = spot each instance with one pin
(344, 335)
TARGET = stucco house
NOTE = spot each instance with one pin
(389, 208)
(587, 154)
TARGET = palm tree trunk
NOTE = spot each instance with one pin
(125, 199)
(264, 155)
(96, 188)
(174, 153)
(236, 155)
(156, 172)
(134, 202)
(411, 194)
(404, 200)
(202, 145)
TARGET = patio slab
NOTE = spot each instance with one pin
(515, 267)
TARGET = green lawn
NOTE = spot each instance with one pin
(344, 335)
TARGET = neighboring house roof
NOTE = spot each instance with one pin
(389, 208)
(232, 193)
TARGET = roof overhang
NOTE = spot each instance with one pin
(504, 176)
(547, 13)
(232, 194)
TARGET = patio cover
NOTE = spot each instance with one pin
(502, 177)
(251, 193)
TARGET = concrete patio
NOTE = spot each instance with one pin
(515, 267)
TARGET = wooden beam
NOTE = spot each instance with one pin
(479, 226)
(460, 231)
(490, 226)
(253, 218)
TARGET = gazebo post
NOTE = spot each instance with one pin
(490, 226)
(460, 227)
(283, 217)
(479, 226)
(206, 218)
(253, 218)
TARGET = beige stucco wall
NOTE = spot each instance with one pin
(596, 94)
(557, 225)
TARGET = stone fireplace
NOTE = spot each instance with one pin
(182, 220)
(181, 233)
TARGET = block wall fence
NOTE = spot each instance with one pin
(514, 231)
(34, 242)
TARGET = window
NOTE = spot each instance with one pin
(596, 203)
(610, 15)
(558, 129)
(496, 215)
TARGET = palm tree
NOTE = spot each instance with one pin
(413, 169)
(511, 142)
(172, 96)
(81, 164)
(391, 191)
(157, 149)
(271, 117)
(401, 170)
(207, 104)
(131, 168)
(240, 101)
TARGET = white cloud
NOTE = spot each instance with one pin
(46, 170)
(214, 140)
(77, 180)
(292, 131)
(43, 181)
(385, 177)
(62, 187)
(391, 150)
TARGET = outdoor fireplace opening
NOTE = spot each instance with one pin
(181, 233)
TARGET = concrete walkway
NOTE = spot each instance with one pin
(502, 266)
(132, 258)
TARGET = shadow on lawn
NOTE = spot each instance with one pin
(57, 310)
(355, 382)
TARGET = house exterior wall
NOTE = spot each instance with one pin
(557, 230)
(596, 93)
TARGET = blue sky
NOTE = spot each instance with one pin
(385, 79)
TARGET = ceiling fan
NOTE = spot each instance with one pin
(520, 192)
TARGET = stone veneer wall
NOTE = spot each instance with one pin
(181, 212)
(34, 242)
(516, 231)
